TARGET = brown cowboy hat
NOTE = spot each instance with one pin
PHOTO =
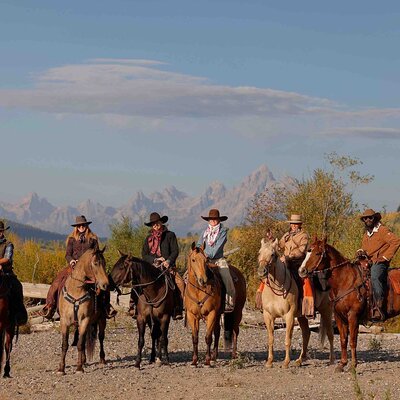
(81, 220)
(295, 219)
(155, 217)
(2, 228)
(369, 212)
(214, 214)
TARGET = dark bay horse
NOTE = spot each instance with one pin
(7, 326)
(78, 307)
(155, 302)
(348, 293)
(203, 300)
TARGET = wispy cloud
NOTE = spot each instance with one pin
(366, 132)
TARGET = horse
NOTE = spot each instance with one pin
(280, 299)
(78, 307)
(348, 293)
(155, 302)
(203, 300)
(7, 326)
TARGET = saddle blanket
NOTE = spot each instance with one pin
(394, 279)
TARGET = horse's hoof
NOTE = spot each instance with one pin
(102, 363)
(298, 363)
(158, 362)
(268, 365)
(339, 368)
(60, 373)
(79, 371)
(137, 365)
(193, 365)
(285, 366)
(7, 376)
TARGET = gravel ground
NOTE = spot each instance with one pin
(35, 360)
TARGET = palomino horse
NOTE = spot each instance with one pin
(78, 306)
(280, 299)
(348, 293)
(7, 326)
(155, 302)
(203, 301)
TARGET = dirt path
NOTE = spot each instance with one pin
(35, 359)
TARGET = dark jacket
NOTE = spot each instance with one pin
(168, 247)
(75, 248)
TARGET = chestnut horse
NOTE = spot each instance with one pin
(78, 306)
(155, 302)
(203, 300)
(280, 299)
(7, 326)
(348, 293)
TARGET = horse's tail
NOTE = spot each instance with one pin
(2, 339)
(323, 329)
(229, 319)
(91, 336)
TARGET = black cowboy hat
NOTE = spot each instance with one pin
(81, 220)
(155, 217)
(214, 214)
(369, 212)
(2, 228)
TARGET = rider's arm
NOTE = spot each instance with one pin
(70, 250)
(394, 243)
(174, 249)
(8, 255)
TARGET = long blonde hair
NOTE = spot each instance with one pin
(88, 234)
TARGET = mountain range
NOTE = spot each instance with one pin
(184, 211)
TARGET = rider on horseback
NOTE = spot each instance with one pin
(294, 245)
(380, 245)
(214, 239)
(80, 240)
(160, 248)
(17, 307)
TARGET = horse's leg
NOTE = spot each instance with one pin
(327, 328)
(269, 324)
(64, 347)
(159, 344)
(236, 324)
(102, 322)
(8, 349)
(83, 331)
(141, 324)
(194, 325)
(210, 325)
(164, 338)
(344, 335)
(289, 318)
(305, 333)
(353, 325)
(217, 333)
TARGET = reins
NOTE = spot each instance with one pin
(280, 292)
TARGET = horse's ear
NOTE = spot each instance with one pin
(193, 245)
(130, 255)
(102, 250)
(121, 253)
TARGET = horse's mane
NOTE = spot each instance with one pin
(144, 268)
(336, 253)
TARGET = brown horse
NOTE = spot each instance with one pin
(280, 299)
(155, 302)
(7, 326)
(348, 293)
(78, 306)
(203, 300)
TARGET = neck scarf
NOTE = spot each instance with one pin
(154, 241)
(211, 233)
(81, 238)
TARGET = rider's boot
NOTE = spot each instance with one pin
(229, 304)
(178, 306)
(378, 312)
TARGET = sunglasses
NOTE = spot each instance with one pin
(81, 226)
(367, 218)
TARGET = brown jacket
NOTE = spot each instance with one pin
(75, 248)
(294, 245)
(381, 245)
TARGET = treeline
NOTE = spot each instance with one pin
(324, 199)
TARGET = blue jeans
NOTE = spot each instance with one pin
(379, 273)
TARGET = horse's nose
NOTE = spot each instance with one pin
(103, 286)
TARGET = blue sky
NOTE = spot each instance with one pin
(99, 99)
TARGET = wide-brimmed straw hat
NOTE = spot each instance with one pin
(155, 217)
(2, 227)
(295, 219)
(214, 214)
(81, 220)
(369, 212)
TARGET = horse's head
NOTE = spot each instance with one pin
(316, 258)
(267, 255)
(97, 265)
(121, 273)
(197, 264)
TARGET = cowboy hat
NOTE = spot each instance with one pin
(369, 212)
(155, 217)
(81, 220)
(295, 219)
(2, 228)
(214, 214)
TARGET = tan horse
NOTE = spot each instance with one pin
(77, 304)
(280, 299)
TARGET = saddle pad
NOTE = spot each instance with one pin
(394, 279)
